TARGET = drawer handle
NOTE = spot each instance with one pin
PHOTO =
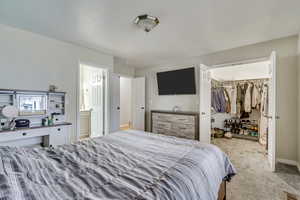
(24, 134)
(58, 129)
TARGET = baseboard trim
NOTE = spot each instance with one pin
(289, 162)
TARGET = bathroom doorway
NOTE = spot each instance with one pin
(92, 101)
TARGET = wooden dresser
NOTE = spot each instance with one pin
(179, 124)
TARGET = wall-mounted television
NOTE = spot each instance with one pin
(177, 82)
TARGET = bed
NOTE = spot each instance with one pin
(126, 165)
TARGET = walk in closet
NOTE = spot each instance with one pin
(239, 102)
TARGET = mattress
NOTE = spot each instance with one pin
(126, 165)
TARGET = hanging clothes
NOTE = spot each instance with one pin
(256, 96)
(232, 92)
(248, 98)
(265, 100)
(264, 122)
(227, 104)
(218, 100)
(239, 100)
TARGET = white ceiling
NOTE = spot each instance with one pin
(188, 28)
(256, 70)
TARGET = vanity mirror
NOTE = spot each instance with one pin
(32, 104)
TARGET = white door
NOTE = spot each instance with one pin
(93, 97)
(272, 115)
(114, 103)
(205, 104)
(138, 103)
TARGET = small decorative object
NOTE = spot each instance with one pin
(146, 22)
(44, 122)
(52, 88)
(50, 121)
(10, 112)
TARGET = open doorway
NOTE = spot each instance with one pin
(92, 101)
(125, 103)
(239, 101)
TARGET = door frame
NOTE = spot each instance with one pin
(106, 97)
(204, 102)
(274, 83)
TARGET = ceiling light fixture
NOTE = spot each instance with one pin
(146, 22)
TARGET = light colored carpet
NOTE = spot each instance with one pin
(254, 180)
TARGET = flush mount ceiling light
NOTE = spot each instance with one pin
(146, 22)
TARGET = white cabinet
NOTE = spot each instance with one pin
(49, 136)
(59, 136)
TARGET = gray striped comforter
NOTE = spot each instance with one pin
(126, 165)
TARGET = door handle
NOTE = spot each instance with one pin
(203, 113)
(270, 117)
(142, 108)
(118, 108)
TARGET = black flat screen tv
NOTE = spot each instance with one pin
(177, 82)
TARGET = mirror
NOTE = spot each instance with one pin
(32, 104)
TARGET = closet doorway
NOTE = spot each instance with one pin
(92, 102)
(238, 101)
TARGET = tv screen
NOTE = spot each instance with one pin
(177, 82)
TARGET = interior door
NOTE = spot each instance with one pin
(272, 114)
(97, 117)
(205, 104)
(114, 103)
(93, 97)
(138, 103)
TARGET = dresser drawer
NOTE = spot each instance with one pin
(162, 117)
(23, 134)
(162, 125)
(184, 119)
(160, 131)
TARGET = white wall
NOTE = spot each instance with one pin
(258, 70)
(33, 62)
(166, 102)
(121, 67)
(287, 77)
(125, 100)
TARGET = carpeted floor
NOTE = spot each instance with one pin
(254, 180)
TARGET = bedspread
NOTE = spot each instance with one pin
(126, 165)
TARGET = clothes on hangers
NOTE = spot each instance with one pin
(227, 104)
(256, 96)
(264, 121)
(238, 98)
(264, 100)
(232, 92)
(248, 98)
(218, 100)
